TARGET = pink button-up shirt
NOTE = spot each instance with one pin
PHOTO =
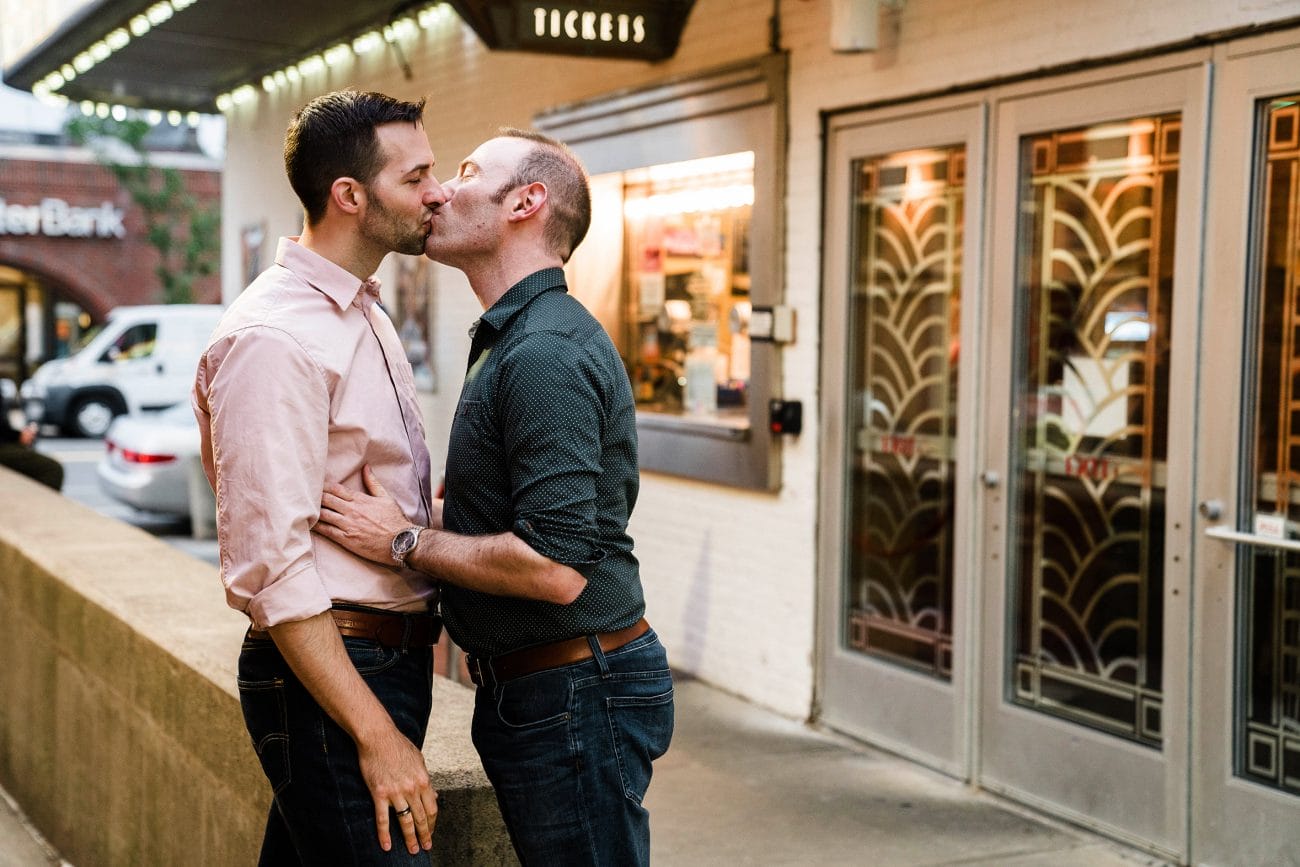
(304, 382)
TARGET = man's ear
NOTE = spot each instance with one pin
(348, 195)
(528, 201)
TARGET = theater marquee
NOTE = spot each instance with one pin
(625, 29)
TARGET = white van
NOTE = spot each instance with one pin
(143, 358)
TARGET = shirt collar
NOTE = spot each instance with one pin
(520, 295)
(337, 283)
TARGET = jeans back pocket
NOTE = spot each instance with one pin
(267, 719)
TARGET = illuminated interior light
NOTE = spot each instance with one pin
(41, 89)
(83, 62)
(54, 80)
(428, 17)
(367, 42)
(280, 78)
(87, 108)
(140, 25)
(174, 118)
(737, 162)
(243, 94)
(291, 73)
(158, 13)
(690, 201)
(192, 120)
(390, 35)
(118, 39)
(224, 102)
(119, 113)
(268, 83)
(404, 27)
(338, 54)
(100, 51)
(68, 72)
(311, 65)
(182, 5)
(101, 110)
(153, 117)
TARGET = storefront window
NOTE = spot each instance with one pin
(683, 254)
(11, 332)
(686, 292)
(73, 329)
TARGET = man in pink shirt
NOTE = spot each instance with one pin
(304, 383)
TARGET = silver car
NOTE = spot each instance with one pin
(149, 461)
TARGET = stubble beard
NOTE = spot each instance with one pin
(384, 227)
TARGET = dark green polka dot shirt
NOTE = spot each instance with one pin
(544, 445)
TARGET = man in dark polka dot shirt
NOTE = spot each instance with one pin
(540, 585)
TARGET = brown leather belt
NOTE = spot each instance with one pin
(529, 660)
(392, 629)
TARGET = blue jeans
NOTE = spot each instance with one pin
(322, 813)
(569, 752)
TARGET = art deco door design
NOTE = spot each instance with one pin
(1094, 279)
(1268, 685)
(904, 350)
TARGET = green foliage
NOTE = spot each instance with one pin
(185, 232)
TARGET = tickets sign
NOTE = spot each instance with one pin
(626, 29)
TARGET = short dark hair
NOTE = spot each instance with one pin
(333, 137)
(551, 162)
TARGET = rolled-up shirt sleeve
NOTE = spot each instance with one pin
(263, 406)
(552, 420)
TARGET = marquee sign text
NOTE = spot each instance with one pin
(629, 29)
(588, 26)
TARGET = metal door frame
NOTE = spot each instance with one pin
(1234, 820)
(907, 712)
(1127, 791)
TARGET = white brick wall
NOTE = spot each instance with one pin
(730, 576)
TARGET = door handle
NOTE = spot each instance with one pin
(1255, 539)
(1211, 510)
(990, 479)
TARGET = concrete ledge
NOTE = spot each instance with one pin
(120, 729)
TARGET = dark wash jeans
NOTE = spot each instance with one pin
(569, 752)
(322, 813)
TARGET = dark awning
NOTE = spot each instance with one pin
(205, 49)
(183, 54)
(627, 29)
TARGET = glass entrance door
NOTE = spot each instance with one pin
(894, 615)
(1093, 332)
(1246, 778)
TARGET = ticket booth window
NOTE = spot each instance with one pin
(686, 290)
(684, 253)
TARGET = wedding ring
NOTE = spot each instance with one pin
(405, 812)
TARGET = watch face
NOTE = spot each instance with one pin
(404, 542)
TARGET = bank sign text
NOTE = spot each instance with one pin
(55, 218)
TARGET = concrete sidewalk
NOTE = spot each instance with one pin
(20, 845)
(742, 785)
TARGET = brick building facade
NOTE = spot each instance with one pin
(70, 234)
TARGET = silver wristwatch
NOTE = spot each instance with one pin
(404, 543)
